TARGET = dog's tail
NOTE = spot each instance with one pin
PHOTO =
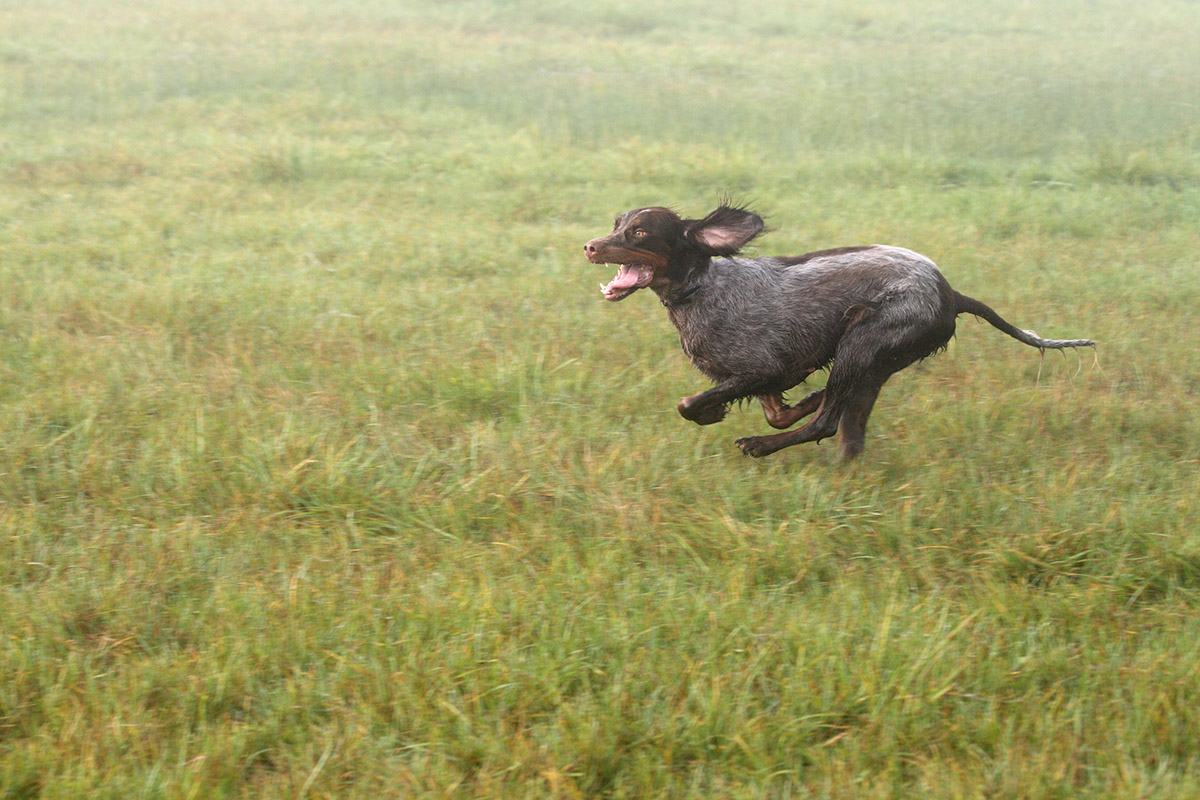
(969, 305)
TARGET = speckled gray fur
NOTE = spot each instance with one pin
(759, 326)
(769, 324)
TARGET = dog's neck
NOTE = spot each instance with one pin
(680, 293)
(677, 299)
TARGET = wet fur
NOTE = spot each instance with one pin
(759, 326)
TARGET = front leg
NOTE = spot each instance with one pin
(709, 407)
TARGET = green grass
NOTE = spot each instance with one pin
(326, 472)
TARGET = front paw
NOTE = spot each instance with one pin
(700, 414)
(755, 446)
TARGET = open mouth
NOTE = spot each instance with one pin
(628, 280)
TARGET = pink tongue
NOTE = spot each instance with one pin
(627, 278)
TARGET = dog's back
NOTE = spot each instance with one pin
(778, 318)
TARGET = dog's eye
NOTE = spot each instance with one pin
(638, 232)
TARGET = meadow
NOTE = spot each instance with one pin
(326, 472)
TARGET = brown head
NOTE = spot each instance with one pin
(655, 247)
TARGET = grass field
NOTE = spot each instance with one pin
(325, 471)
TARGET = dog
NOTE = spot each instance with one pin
(759, 326)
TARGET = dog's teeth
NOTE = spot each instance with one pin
(602, 287)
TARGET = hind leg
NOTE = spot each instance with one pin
(852, 429)
(823, 425)
(854, 365)
(878, 345)
(850, 423)
(915, 343)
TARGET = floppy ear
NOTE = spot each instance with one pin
(724, 231)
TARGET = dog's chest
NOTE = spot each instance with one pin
(723, 342)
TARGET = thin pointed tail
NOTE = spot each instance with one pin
(969, 305)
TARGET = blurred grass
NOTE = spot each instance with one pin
(324, 472)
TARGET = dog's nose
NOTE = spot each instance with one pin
(590, 247)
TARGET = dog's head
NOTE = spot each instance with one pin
(656, 247)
